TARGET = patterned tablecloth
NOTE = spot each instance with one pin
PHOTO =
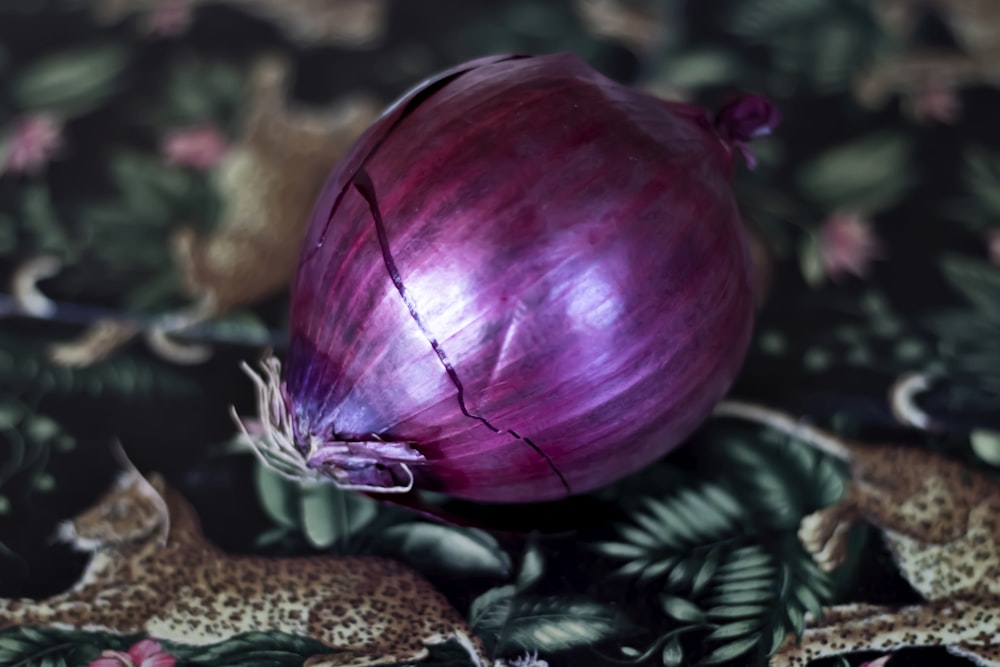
(157, 161)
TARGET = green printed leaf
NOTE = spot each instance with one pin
(737, 611)
(242, 327)
(868, 175)
(639, 537)
(828, 482)
(331, 515)
(986, 445)
(320, 522)
(14, 645)
(652, 523)
(682, 576)
(796, 618)
(36, 635)
(706, 520)
(632, 568)
(673, 653)
(982, 178)
(201, 89)
(745, 559)
(730, 586)
(976, 280)
(760, 19)
(458, 552)
(278, 496)
(532, 568)
(734, 630)
(47, 647)
(744, 597)
(72, 82)
(836, 49)
(325, 514)
(778, 635)
(781, 481)
(822, 43)
(731, 651)
(682, 609)
(11, 413)
(556, 624)
(677, 517)
(137, 177)
(489, 613)
(659, 568)
(272, 536)
(41, 428)
(723, 501)
(134, 375)
(619, 550)
(808, 599)
(708, 568)
(41, 219)
(254, 649)
(666, 529)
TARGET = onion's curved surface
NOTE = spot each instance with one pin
(524, 281)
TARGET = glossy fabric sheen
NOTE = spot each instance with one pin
(574, 248)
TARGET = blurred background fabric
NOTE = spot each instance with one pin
(158, 162)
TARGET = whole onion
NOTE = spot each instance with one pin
(525, 281)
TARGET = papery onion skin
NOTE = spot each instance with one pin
(561, 293)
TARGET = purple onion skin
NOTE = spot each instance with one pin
(561, 293)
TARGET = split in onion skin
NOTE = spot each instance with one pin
(525, 281)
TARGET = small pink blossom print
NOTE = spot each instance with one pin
(169, 18)
(847, 245)
(34, 140)
(195, 146)
(993, 245)
(935, 103)
(147, 653)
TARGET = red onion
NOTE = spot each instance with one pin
(525, 281)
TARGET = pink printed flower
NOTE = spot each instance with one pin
(993, 243)
(935, 102)
(147, 653)
(195, 146)
(34, 141)
(847, 245)
(169, 18)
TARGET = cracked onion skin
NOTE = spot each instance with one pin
(532, 279)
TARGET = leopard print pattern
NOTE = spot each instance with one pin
(966, 625)
(941, 522)
(175, 585)
(975, 25)
(269, 182)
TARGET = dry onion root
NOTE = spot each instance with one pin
(273, 440)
